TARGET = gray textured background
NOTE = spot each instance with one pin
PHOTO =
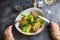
(8, 15)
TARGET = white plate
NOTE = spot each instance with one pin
(27, 12)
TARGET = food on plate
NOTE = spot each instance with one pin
(30, 23)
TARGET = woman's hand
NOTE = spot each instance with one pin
(54, 28)
(8, 33)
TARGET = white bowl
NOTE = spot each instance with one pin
(27, 12)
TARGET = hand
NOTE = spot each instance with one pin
(54, 28)
(8, 33)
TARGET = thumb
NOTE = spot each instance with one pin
(10, 27)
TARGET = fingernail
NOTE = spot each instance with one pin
(51, 22)
(11, 26)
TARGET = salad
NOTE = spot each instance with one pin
(30, 23)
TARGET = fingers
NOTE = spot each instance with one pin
(10, 28)
(54, 26)
(8, 33)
